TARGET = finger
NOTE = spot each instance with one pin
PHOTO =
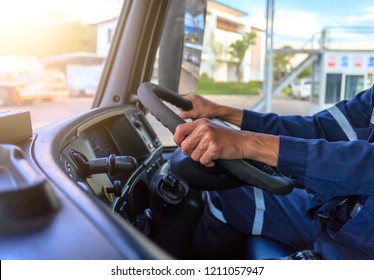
(197, 137)
(190, 143)
(190, 96)
(198, 151)
(209, 156)
(182, 131)
(185, 114)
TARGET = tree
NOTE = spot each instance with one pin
(282, 64)
(69, 37)
(57, 35)
(307, 72)
(239, 48)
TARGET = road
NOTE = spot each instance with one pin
(48, 112)
(52, 111)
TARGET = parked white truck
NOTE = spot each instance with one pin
(82, 80)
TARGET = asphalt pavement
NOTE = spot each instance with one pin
(281, 104)
(49, 112)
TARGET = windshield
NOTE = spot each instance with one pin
(52, 57)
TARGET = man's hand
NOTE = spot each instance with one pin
(204, 108)
(205, 141)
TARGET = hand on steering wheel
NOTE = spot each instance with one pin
(268, 179)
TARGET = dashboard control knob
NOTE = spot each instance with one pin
(111, 164)
(116, 189)
(137, 123)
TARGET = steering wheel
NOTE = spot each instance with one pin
(266, 178)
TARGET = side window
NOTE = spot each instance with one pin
(178, 59)
(52, 55)
(212, 49)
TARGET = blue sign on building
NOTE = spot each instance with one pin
(345, 61)
(371, 61)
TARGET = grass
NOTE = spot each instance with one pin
(208, 86)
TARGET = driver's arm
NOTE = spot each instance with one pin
(206, 141)
(323, 125)
(328, 168)
(204, 108)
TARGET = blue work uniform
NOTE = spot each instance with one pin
(332, 154)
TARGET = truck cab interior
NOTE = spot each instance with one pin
(103, 184)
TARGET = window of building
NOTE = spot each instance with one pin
(353, 85)
(333, 88)
(109, 35)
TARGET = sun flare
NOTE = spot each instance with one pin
(24, 22)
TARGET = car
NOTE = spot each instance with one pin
(9, 93)
(301, 88)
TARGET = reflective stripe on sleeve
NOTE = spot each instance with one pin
(343, 123)
(372, 117)
(258, 221)
(215, 211)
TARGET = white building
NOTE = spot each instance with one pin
(105, 32)
(224, 25)
(339, 75)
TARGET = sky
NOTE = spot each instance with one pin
(87, 11)
(295, 21)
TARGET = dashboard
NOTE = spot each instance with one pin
(55, 209)
(110, 166)
(123, 135)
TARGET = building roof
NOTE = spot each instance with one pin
(216, 5)
(105, 21)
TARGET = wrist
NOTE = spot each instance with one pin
(231, 115)
(261, 147)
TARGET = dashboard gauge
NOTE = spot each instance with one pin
(101, 144)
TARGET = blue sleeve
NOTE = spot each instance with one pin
(329, 168)
(319, 126)
(316, 151)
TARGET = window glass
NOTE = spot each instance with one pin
(51, 58)
(178, 58)
(333, 88)
(207, 67)
(353, 84)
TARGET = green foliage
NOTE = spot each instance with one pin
(307, 72)
(282, 64)
(208, 86)
(287, 91)
(70, 37)
(239, 48)
(205, 78)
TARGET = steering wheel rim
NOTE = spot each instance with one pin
(268, 179)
